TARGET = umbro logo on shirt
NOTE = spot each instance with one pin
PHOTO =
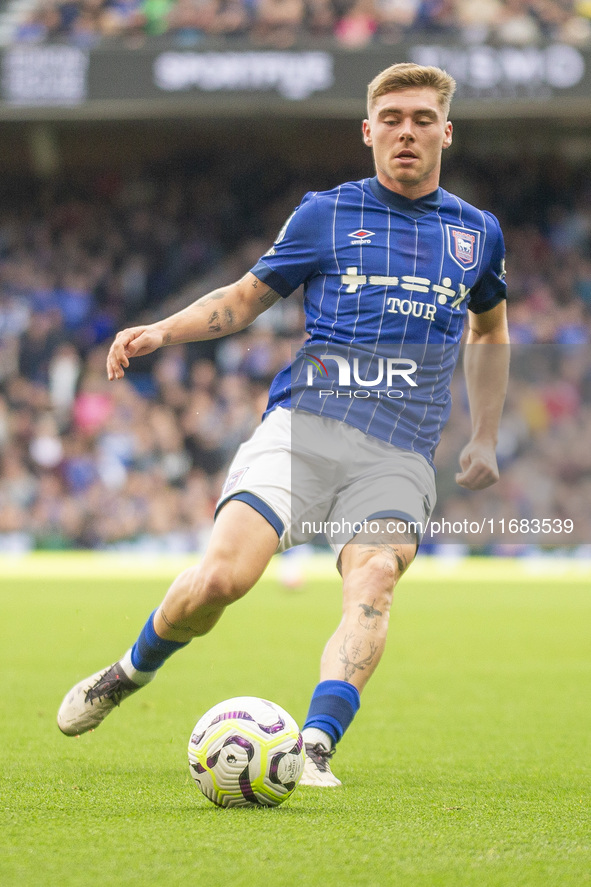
(361, 236)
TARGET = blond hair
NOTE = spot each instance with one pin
(407, 75)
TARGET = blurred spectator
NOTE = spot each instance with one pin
(356, 28)
(121, 17)
(517, 23)
(155, 15)
(191, 20)
(395, 18)
(63, 374)
(277, 22)
(320, 19)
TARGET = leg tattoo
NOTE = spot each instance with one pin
(350, 655)
(174, 627)
(393, 554)
(369, 618)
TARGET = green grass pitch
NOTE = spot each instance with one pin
(468, 763)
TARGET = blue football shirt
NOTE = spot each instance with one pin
(387, 284)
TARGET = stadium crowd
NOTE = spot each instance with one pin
(282, 23)
(139, 464)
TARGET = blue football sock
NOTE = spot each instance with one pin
(150, 651)
(333, 707)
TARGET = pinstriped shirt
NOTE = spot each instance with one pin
(387, 284)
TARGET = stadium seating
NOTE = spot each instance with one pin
(283, 23)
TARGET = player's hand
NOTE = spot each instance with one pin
(134, 342)
(479, 466)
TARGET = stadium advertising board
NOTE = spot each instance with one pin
(119, 82)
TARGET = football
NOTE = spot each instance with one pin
(246, 752)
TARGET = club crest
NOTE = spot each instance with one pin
(463, 245)
(233, 481)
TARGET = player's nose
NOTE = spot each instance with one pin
(407, 132)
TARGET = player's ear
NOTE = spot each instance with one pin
(447, 139)
(366, 130)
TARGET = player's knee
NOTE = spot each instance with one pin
(221, 584)
(376, 577)
(378, 588)
(367, 597)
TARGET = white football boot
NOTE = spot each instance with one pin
(90, 701)
(317, 770)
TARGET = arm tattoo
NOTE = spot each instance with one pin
(167, 338)
(351, 658)
(214, 322)
(215, 296)
(268, 298)
(219, 324)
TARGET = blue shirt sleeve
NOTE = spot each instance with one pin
(491, 288)
(293, 258)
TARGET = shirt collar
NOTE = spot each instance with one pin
(414, 208)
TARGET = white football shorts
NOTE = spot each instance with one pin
(311, 476)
